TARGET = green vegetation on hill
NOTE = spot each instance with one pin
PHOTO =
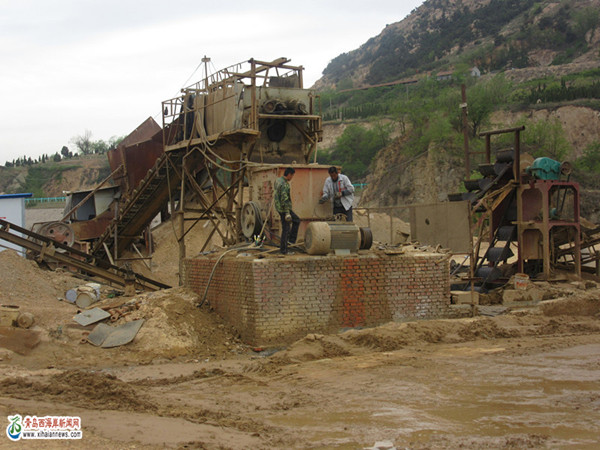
(356, 148)
(493, 36)
(429, 117)
(39, 175)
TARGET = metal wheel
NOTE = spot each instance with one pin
(251, 220)
(59, 231)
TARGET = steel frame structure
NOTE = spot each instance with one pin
(222, 126)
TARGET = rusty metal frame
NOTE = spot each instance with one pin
(49, 250)
(546, 226)
(222, 204)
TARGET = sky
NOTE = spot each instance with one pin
(67, 66)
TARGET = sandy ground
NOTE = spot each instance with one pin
(528, 378)
(514, 376)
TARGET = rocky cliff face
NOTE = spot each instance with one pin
(399, 180)
(443, 34)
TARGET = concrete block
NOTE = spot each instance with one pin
(464, 297)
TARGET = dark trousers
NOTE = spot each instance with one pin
(342, 210)
(286, 234)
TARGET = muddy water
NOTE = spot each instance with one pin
(461, 396)
(538, 391)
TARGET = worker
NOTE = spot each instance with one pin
(283, 205)
(339, 188)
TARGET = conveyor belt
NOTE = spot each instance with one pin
(46, 249)
(144, 204)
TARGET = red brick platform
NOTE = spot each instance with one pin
(274, 300)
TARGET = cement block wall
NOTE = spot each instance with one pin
(274, 301)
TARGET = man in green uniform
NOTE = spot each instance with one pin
(283, 205)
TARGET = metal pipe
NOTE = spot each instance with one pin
(501, 131)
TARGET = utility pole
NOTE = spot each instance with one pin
(465, 122)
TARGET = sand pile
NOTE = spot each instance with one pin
(25, 284)
(79, 388)
(164, 266)
(175, 326)
(385, 228)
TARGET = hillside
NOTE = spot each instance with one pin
(493, 35)
(50, 179)
(537, 64)
(397, 179)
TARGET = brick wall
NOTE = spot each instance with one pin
(276, 300)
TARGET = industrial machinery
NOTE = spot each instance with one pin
(260, 218)
(533, 207)
(342, 238)
(241, 118)
(216, 140)
(259, 215)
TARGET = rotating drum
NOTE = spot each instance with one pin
(251, 220)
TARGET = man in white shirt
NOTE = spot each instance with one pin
(339, 188)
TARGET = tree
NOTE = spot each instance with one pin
(584, 20)
(483, 99)
(542, 138)
(56, 157)
(64, 151)
(114, 141)
(590, 161)
(99, 147)
(356, 147)
(84, 142)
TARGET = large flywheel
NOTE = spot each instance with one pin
(251, 220)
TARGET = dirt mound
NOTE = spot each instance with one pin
(586, 305)
(313, 347)
(196, 375)
(394, 336)
(165, 260)
(575, 314)
(79, 388)
(25, 284)
(175, 326)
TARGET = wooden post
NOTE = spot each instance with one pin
(181, 222)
